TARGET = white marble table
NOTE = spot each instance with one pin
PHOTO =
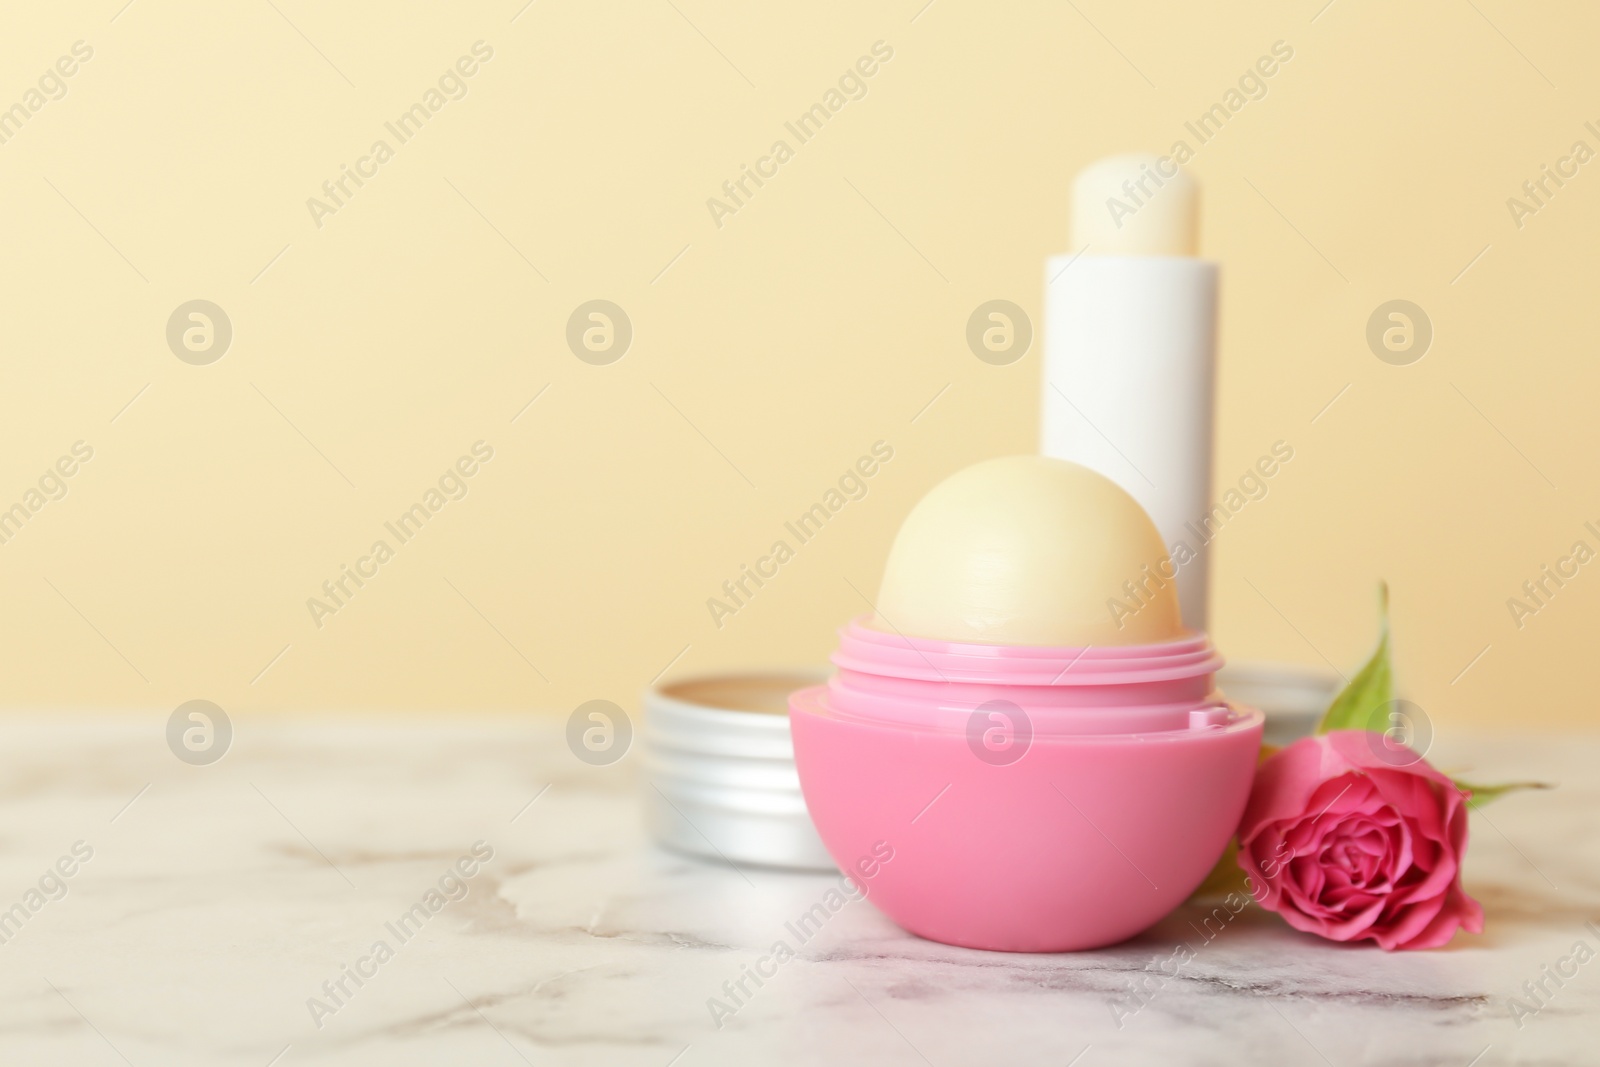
(219, 899)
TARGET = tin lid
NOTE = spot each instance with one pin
(719, 767)
(1292, 695)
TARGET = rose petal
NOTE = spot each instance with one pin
(1285, 782)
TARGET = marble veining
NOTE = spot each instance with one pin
(219, 900)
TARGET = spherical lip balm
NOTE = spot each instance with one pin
(1028, 550)
(1022, 768)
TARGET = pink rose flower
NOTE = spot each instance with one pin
(1349, 836)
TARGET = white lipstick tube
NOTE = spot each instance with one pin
(1130, 355)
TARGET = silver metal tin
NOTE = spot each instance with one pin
(1293, 697)
(719, 770)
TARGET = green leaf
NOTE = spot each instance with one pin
(1483, 794)
(1363, 704)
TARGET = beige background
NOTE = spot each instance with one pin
(770, 353)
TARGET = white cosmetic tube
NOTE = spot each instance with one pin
(1130, 355)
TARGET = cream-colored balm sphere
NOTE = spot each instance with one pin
(1028, 550)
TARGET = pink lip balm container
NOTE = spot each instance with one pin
(1036, 797)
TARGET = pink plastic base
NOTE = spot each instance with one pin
(1084, 841)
